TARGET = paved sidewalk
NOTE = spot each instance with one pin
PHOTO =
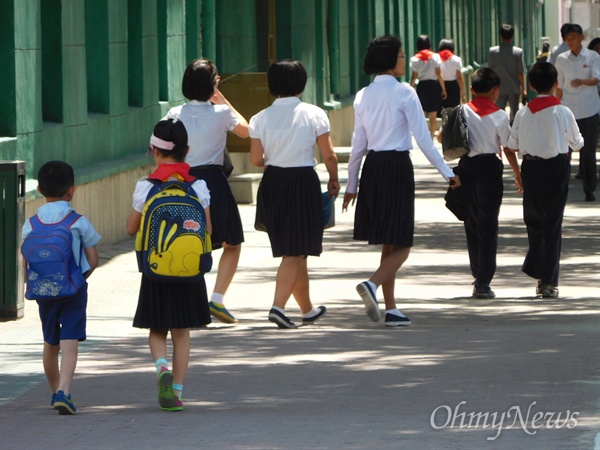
(345, 382)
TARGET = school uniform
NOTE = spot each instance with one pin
(66, 318)
(166, 305)
(207, 126)
(425, 63)
(450, 64)
(386, 116)
(584, 102)
(542, 132)
(482, 187)
(289, 202)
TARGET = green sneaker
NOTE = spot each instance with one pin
(219, 311)
(167, 399)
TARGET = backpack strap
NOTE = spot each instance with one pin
(70, 219)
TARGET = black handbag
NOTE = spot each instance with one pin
(227, 166)
(455, 133)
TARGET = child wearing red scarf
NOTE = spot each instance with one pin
(173, 307)
(425, 66)
(543, 132)
(478, 200)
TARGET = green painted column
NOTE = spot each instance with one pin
(236, 36)
(28, 86)
(8, 125)
(209, 30)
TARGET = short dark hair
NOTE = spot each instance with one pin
(446, 44)
(573, 28)
(172, 131)
(382, 54)
(542, 76)
(423, 42)
(286, 78)
(55, 178)
(484, 80)
(507, 32)
(593, 43)
(199, 80)
(563, 29)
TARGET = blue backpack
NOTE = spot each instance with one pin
(52, 271)
(172, 243)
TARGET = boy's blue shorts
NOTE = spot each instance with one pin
(64, 318)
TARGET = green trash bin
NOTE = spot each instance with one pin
(12, 181)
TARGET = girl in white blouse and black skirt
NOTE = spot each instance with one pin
(289, 203)
(386, 113)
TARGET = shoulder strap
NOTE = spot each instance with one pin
(70, 219)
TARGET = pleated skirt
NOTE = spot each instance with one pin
(164, 306)
(224, 212)
(385, 208)
(289, 208)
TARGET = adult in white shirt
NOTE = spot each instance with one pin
(289, 202)
(578, 78)
(386, 114)
(451, 69)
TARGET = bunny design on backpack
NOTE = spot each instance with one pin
(172, 243)
(176, 254)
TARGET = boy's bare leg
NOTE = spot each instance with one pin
(50, 361)
(69, 349)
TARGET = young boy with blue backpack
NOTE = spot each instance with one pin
(171, 219)
(59, 253)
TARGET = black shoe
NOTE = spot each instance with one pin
(393, 320)
(483, 291)
(590, 198)
(280, 319)
(313, 319)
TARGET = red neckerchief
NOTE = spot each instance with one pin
(445, 55)
(540, 103)
(424, 55)
(482, 106)
(165, 171)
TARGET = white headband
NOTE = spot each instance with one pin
(158, 142)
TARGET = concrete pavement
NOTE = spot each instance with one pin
(513, 372)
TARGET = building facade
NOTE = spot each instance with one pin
(86, 80)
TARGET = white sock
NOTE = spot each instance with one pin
(178, 390)
(217, 298)
(373, 285)
(159, 364)
(394, 312)
(311, 313)
(277, 308)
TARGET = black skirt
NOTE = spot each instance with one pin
(164, 306)
(224, 212)
(289, 208)
(430, 94)
(385, 208)
(452, 94)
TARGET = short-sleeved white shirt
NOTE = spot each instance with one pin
(288, 131)
(426, 69)
(386, 113)
(207, 126)
(546, 133)
(143, 186)
(487, 133)
(449, 68)
(582, 100)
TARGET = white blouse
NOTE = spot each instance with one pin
(207, 126)
(425, 69)
(288, 131)
(449, 68)
(385, 114)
